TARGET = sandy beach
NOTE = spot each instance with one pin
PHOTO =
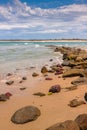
(54, 108)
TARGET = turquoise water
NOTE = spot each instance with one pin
(21, 55)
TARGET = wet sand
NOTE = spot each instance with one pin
(54, 108)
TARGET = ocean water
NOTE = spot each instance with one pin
(22, 55)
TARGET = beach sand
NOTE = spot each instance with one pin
(54, 108)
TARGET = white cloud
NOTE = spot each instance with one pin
(37, 20)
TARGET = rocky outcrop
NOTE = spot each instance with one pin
(25, 114)
(75, 72)
(67, 125)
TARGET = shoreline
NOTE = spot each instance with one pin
(47, 40)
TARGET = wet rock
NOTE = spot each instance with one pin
(25, 114)
(35, 74)
(75, 72)
(24, 78)
(85, 96)
(67, 125)
(10, 82)
(81, 120)
(55, 89)
(75, 103)
(39, 94)
(44, 70)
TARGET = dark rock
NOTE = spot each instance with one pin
(67, 125)
(35, 74)
(25, 114)
(75, 72)
(39, 94)
(75, 103)
(85, 96)
(74, 87)
(10, 82)
(44, 70)
(55, 89)
(9, 74)
(51, 60)
(24, 78)
(81, 120)
(48, 78)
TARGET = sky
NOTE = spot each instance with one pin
(43, 19)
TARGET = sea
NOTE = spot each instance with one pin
(24, 55)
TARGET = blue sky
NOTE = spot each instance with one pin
(43, 19)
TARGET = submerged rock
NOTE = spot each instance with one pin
(25, 114)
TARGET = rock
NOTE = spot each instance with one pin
(8, 94)
(75, 103)
(24, 78)
(71, 88)
(35, 74)
(80, 81)
(67, 125)
(10, 82)
(81, 120)
(44, 70)
(25, 114)
(75, 72)
(22, 88)
(55, 89)
(3, 97)
(85, 96)
(51, 60)
(39, 94)
(9, 74)
(48, 79)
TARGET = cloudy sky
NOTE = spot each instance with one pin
(43, 19)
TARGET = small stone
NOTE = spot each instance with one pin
(10, 82)
(44, 70)
(22, 88)
(9, 74)
(24, 78)
(85, 96)
(35, 74)
(48, 79)
(50, 93)
(55, 89)
(39, 94)
(8, 94)
(3, 97)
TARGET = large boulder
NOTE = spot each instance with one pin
(75, 72)
(81, 120)
(67, 125)
(25, 114)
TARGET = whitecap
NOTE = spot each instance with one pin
(26, 43)
(37, 45)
